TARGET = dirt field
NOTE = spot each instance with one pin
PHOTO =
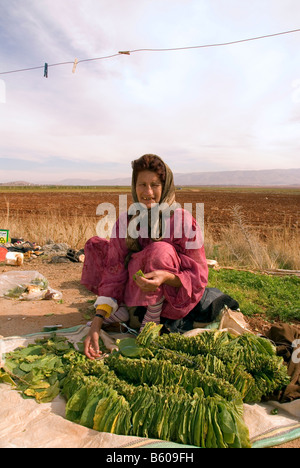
(21, 318)
(264, 209)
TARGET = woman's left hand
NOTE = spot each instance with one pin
(154, 279)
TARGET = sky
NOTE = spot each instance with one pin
(234, 107)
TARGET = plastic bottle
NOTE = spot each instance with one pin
(14, 258)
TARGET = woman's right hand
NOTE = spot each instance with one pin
(91, 343)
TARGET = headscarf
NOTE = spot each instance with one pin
(167, 197)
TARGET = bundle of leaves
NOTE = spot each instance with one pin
(100, 399)
(249, 362)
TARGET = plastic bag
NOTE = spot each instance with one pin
(26, 286)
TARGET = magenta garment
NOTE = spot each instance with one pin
(105, 274)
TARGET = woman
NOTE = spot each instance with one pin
(162, 240)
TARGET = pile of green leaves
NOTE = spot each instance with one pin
(38, 369)
(184, 389)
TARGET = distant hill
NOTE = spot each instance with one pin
(259, 178)
(272, 177)
(120, 181)
(19, 183)
(275, 177)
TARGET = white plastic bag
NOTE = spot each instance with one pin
(26, 286)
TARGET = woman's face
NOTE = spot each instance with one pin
(148, 188)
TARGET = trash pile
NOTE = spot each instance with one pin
(14, 251)
(62, 253)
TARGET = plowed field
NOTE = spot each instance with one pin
(263, 209)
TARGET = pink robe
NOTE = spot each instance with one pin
(105, 274)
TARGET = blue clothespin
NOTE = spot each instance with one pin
(46, 70)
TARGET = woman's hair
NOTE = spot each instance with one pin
(149, 162)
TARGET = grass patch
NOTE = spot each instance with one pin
(242, 246)
(272, 297)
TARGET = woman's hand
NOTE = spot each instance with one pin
(91, 343)
(153, 280)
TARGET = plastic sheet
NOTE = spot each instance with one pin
(26, 423)
(26, 286)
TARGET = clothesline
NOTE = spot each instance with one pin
(129, 52)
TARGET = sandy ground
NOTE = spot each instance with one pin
(23, 317)
(76, 307)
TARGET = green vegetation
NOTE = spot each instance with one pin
(273, 297)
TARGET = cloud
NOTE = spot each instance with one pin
(205, 109)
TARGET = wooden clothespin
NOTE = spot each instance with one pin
(46, 70)
(75, 65)
(125, 52)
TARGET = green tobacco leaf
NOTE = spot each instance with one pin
(6, 378)
(129, 347)
(30, 350)
(48, 394)
(87, 417)
(138, 273)
(149, 333)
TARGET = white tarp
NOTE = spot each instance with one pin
(26, 423)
